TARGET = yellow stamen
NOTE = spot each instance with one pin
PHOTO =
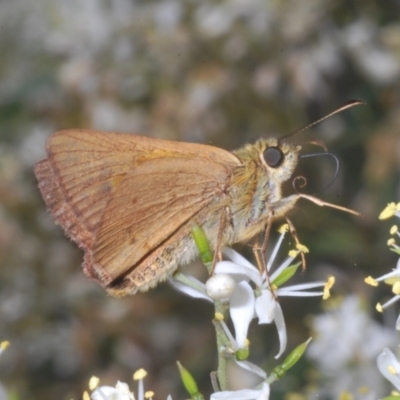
(4, 344)
(327, 294)
(396, 288)
(93, 382)
(346, 396)
(330, 282)
(369, 280)
(328, 285)
(283, 228)
(363, 390)
(302, 248)
(388, 211)
(85, 396)
(394, 229)
(379, 307)
(149, 394)
(391, 369)
(139, 374)
(391, 242)
(219, 316)
(294, 253)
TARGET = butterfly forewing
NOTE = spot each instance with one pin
(121, 196)
(150, 205)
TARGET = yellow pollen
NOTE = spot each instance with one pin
(391, 369)
(85, 396)
(93, 382)
(379, 307)
(302, 248)
(388, 211)
(330, 282)
(346, 396)
(139, 374)
(326, 294)
(363, 390)
(4, 344)
(294, 253)
(396, 288)
(394, 229)
(369, 280)
(219, 316)
(392, 280)
(283, 228)
(149, 394)
(391, 242)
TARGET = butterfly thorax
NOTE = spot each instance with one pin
(255, 185)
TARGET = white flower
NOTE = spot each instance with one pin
(345, 346)
(244, 394)
(119, 392)
(246, 302)
(392, 278)
(220, 286)
(264, 306)
(346, 335)
(389, 367)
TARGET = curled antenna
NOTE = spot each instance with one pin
(345, 106)
(334, 176)
(301, 185)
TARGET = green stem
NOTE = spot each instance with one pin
(189, 282)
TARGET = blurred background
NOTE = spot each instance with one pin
(218, 72)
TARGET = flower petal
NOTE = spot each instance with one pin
(242, 311)
(192, 292)
(239, 272)
(265, 307)
(264, 395)
(389, 367)
(281, 327)
(248, 366)
(120, 392)
(244, 394)
(237, 258)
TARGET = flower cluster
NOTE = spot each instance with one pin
(391, 278)
(251, 293)
(120, 391)
(388, 364)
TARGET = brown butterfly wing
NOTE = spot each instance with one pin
(151, 204)
(91, 180)
(78, 177)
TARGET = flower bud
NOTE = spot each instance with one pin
(220, 286)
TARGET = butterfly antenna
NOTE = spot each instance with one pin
(345, 106)
(329, 184)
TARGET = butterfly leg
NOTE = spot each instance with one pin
(259, 250)
(260, 254)
(226, 216)
(293, 232)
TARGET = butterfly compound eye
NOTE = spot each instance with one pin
(273, 157)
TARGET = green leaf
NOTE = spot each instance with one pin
(285, 275)
(189, 383)
(202, 244)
